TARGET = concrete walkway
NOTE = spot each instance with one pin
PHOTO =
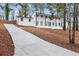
(27, 44)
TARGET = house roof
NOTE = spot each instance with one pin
(38, 13)
(42, 14)
(24, 17)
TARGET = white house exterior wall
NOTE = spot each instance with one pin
(54, 24)
(25, 22)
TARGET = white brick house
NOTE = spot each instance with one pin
(43, 21)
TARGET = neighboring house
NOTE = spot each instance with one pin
(43, 21)
(26, 21)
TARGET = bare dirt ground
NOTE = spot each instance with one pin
(58, 37)
(6, 43)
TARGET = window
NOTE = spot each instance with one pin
(21, 19)
(59, 18)
(29, 20)
(45, 23)
(49, 23)
(53, 23)
(37, 22)
(45, 16)
(41, 23)
(59, 24)
(37, 15)
(41, 16)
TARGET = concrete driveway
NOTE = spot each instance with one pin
(27, 44)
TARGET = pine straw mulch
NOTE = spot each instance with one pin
(58, 37)
(6, 43)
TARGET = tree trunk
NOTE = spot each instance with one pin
(36, 19)
(45, 22)
(76, 7)
(73, 34)
(64, 17)
(6, 11)
(74, 18)
(25, 14)
(70, 33)
(76, 23)
(36, 16)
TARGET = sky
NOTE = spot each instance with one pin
(16, 12)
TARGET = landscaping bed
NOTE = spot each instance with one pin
(6, 43)
(58, 37)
